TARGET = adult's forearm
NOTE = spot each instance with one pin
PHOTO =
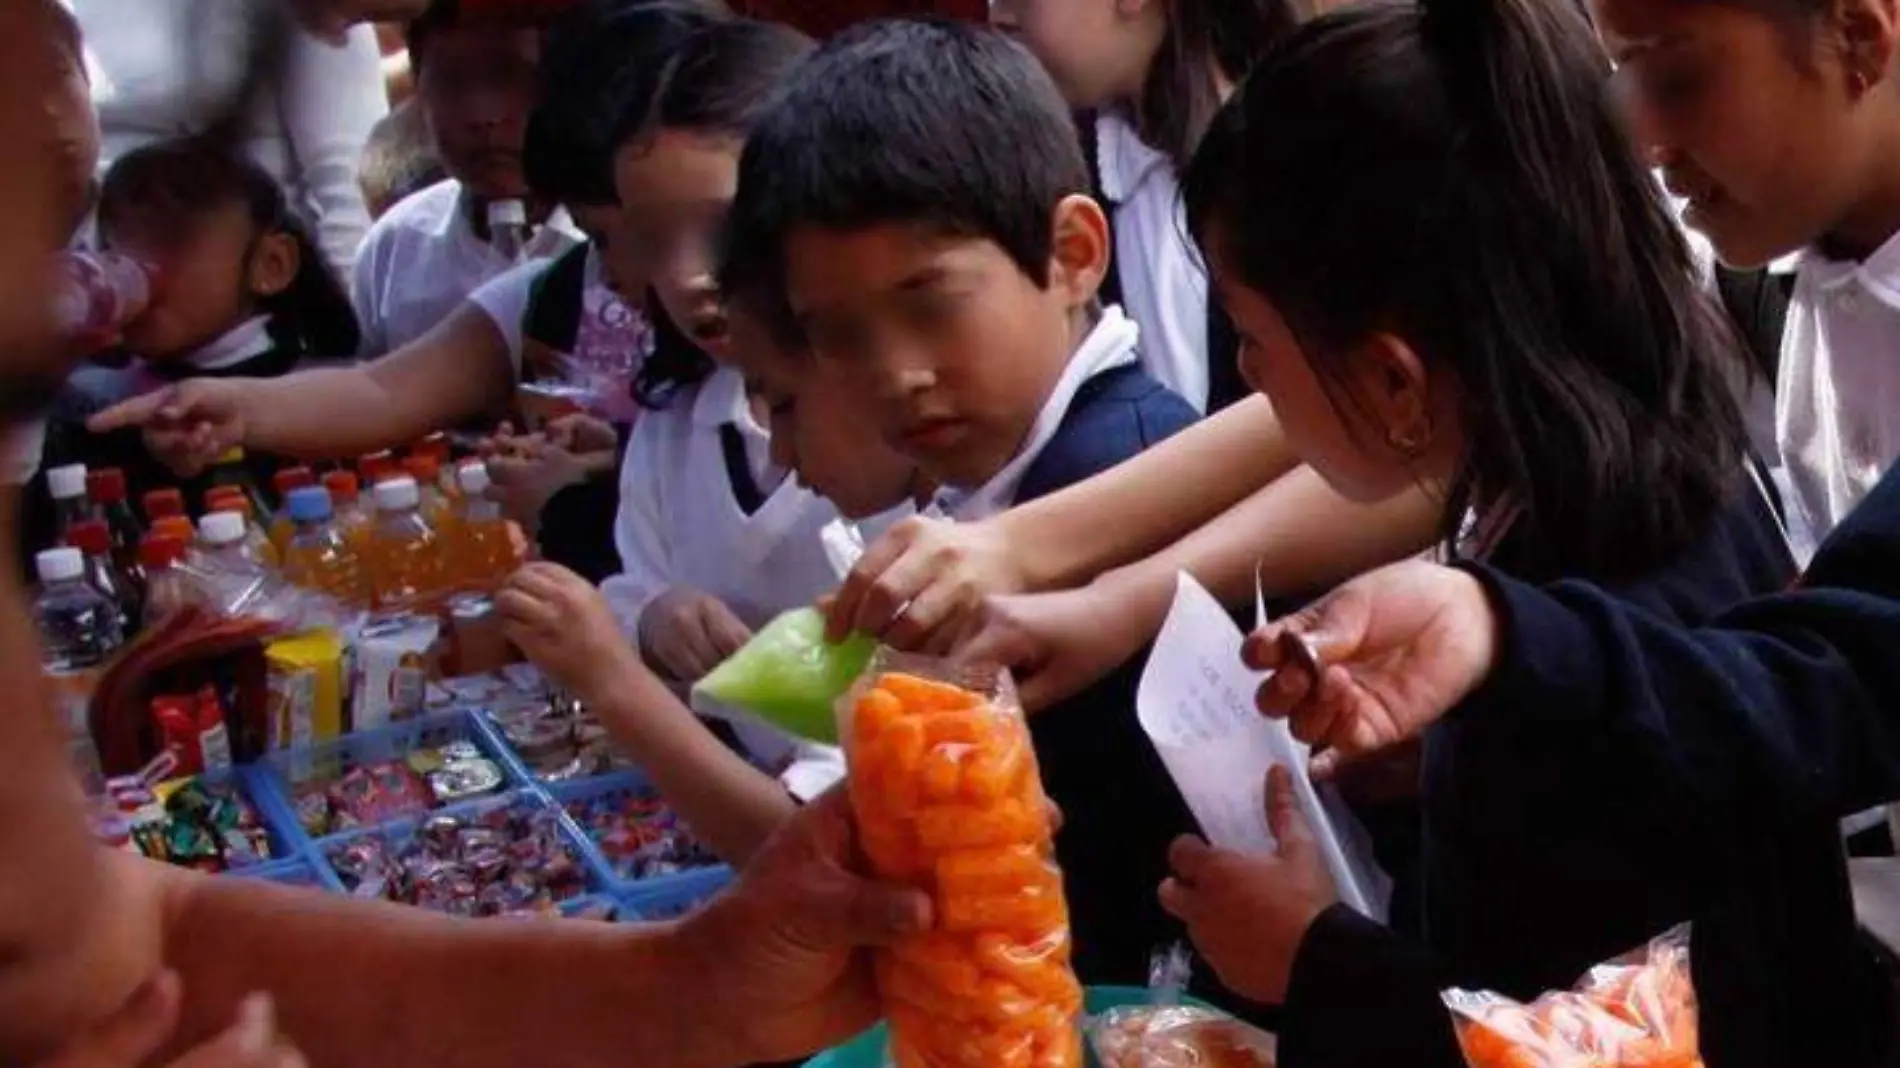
(366, 985)
(732, 806)
(1141, 505)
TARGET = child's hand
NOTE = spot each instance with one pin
(1248, 914)
(1058, 644)
(562, 623)
(133, 1035)
(923, 583)
(524, 482)
(685, 633)
(581, 433)
(186, 426)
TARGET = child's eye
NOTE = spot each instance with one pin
(1671, 86)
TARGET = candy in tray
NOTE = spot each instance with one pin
(205, 825)
(507, 861)
(557, 739)
(641, 837)
(391, 789)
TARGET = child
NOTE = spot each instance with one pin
(1147, 77)
(952, 288)
(399, 159)
(243, 293)
(1537, 350)
(476, 86)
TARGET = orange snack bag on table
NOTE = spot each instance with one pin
(948, 799)
(1637, 1013)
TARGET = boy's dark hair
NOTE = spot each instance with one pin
(587, 59)
(1208, 43)
(943, 124)
(1456, 174)
(440, 15)
(174, 182)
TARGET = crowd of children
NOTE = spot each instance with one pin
(1042, 314)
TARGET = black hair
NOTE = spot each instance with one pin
(1456, 174)
(587, 59)
(175, 181)
(944, 124)
(1208, 42)
(719, 79)
(439, 16)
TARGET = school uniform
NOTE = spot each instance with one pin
(702, 506)
(423, 258)
(1120, 808)
(1157, 276)
(1578, 867)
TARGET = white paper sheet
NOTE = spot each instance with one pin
(1196, 701)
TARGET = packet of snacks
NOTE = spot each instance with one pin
(1637, 1012)
(1165, 1033)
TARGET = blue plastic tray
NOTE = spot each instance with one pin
(277, 777)
(671, 898)
(297, 871)
(703, 882)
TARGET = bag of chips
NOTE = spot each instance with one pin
(1165, 1033)
(948, 799)
(791, 677)
(1639, 1012)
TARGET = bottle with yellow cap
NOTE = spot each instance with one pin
(232, 471)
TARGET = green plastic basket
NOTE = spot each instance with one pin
(867, 1050)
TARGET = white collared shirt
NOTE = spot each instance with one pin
(247, 340)
(423, 258)
(1837, 394)
(1112, 343)
(1163, 280)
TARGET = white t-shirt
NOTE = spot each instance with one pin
(423, 258)
(1163, 280)
(680, 524)
(613, 338)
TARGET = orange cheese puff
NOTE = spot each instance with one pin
(925, 695)
(953, 827)
(899, 982)
(875, 710)
(892, 763)
(1004, 1049)
(1005, 1006)
(945, 959)
(940, 778)
(969, 872)
(892, 849)
(998, 771)
(1060, 1048)
(971, 728)
(1004, 955)
(1031, 910)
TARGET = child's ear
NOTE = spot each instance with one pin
(1080, 253)
(1396, 389)
(275, 261)
(1868, 29)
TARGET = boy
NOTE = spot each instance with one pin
(399, 160)
(475, 81)
(921, 197)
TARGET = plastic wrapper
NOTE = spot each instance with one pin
(1639, 1012)
(1177, 1036)
(947, 796)
(790, 677)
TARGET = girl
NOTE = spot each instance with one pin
(243, 291)
(1528, 339)
(715, 537)
(1147, 77)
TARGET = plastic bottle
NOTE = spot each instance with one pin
(482, 553)
(428, 475)
(161, 503)
(106, 487)
(405, 559)
(175, 526)
(378, 467)
(100, 292)
(508, 228)
(79, 630)
(94, 540)
(263, 550)
(286, 482)
(346, 505)
(319, 556)
(168, 588)
(231, 470)
(67, 486)
(225, 543)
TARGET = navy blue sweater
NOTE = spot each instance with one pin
(1692, 798)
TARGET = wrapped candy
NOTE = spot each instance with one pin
(504, 862)
(193, 823)
(948, 799)
(1639, 1012)
(392, 789)
(640, 836)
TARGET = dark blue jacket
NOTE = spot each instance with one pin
(1120, 809)
(1690, 799)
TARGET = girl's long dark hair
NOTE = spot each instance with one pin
(177, 181)
(1208, 42)
(1455, 174)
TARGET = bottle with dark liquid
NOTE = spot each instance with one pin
(106, 487)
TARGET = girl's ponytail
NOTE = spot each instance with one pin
(1209, 42)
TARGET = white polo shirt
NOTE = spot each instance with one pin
(423, 258)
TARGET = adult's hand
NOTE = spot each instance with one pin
(145, 1024)
(187, 426)
(780, 956)
(1394, 650)
(923, 583)
(1057, 644)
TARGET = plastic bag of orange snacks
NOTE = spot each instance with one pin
(947, 797)
(1636, 1013)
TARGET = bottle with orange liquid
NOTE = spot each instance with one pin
(286, 481)
(318, 556)
(346, 504)
(427, 471)
(405, 558)
(481, 551)
(378, 467)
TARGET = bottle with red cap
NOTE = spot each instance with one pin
(168, 588)
(106, 487)
(428, 475)
(161, 503)
(286, 481)
(94, 541)
(67, 486)
(378, 467)
(173, 526)
(346, 500)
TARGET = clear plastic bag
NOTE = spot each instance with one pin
(1167, 1034)
(789, 676)
(948, 799)
(1637, 1012)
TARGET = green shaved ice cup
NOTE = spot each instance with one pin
(790, 677)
